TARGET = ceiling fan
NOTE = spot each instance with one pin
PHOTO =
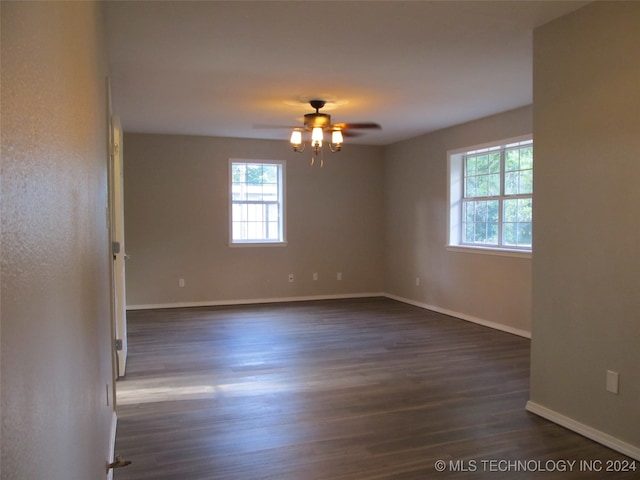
(318, 123)
(323, 121)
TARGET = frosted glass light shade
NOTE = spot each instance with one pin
(296, 137)
(316, 136)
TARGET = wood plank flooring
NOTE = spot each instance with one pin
(343, 390)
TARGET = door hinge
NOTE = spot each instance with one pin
(118, 344)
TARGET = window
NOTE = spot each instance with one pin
(491, 194)
(257, 202)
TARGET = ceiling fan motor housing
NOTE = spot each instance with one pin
(312, 120)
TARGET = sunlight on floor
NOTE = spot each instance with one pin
(201, 387)
(132, 395)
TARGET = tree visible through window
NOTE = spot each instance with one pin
(497, 196)
(257, 204)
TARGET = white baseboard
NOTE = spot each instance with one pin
(463, 316)
(112, 446)
(251, 301)
(585, 430)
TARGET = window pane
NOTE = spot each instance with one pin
(500, 173)
(480, 222)
(270, 193)
(480, 233)
(254, 174)
(519, 171)
(254, 231)
(256, 213)
(273, 212)
(242, 212)
(492, 233)
(509, 235)
(518, 210)
(491, 207)
(494, 162)
(511, 183)
(468, 233)
(470, 189)
(511, 160)
(256, 202)
(526, 158)
(238, 172)
(492, 211)
(273, 231)
(524, 234)
(467, 212)
(525, 209)
(517, 234)
(480, 211)
(526, 181)
(517, 217)
(470, 166)
(493, 185)
(482, 186)
(482, 175)
(482, 165)
(236, 193)
(510, 211)
(270, 174)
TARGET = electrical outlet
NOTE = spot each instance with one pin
(181, 282)
(291, 278)
(339, 276)
(315, 276)
(613, 381)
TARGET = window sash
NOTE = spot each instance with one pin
(257, 204)
(494, 213)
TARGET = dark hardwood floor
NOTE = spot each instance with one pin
(346, 390)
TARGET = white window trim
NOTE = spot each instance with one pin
(454, 194)
(251, 243)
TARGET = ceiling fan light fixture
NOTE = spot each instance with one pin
(317, 136)
(296, 140)
(317, 123)
(316, 139)
(336, 139)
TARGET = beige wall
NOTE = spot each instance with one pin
(586, 269)
(56, 358)
(484, 288)
(177, 223)
(346, 217)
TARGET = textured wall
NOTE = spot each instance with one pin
(586, 267)
(177, 222)
(56, 360)
(488, 288)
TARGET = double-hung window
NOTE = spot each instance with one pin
(492, 198)
(257, 202)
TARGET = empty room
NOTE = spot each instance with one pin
(320, 240)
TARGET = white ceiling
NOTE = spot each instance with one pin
(221, 68)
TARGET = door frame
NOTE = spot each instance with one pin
(116, 209)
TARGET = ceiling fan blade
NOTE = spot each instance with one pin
(355, 126)
(264, 125)
(351, 133)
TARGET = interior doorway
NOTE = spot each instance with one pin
(118, 246)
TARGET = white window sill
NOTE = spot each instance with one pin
(502, 252)
(258, 244)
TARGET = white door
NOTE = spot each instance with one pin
(119, 255)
